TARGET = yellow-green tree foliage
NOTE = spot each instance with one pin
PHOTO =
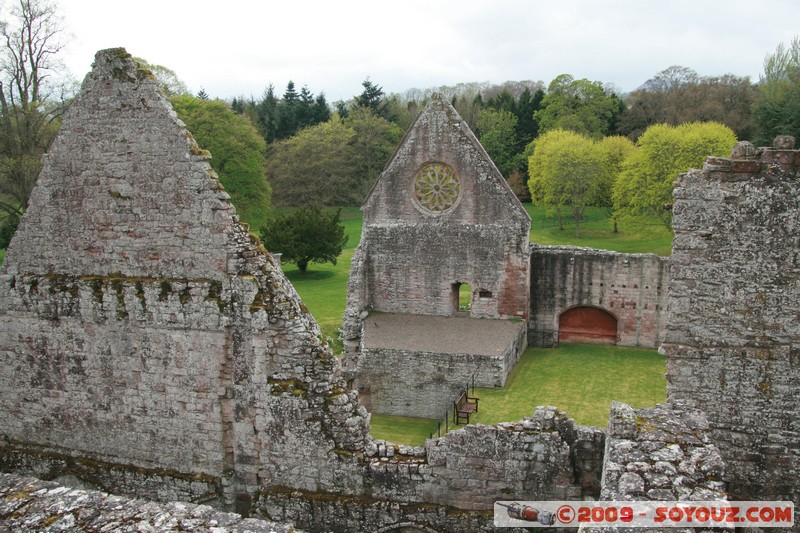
(616, 149)
(644, 187)
(564, 170)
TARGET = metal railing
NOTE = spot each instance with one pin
(541, 338)
(468, 389)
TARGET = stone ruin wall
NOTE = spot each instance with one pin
(732, 339)
(192, 371)
(147, 344)
(631, 287)
(410, 256)
(426, 384)
(661, 453)
(452, 483)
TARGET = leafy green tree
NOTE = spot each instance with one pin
(30, 103)
(677, 95)
(469, 107)
(315, 167)
(403, 112)
(237, 153)
(616, 150)
(374, 142)
(306, 235)
(581, 106)
(777, 111)
(644, 187)
(169, 81)
(564, 169)
(497, 130)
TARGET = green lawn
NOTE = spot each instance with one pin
(323, 287)
(597, 231)
(580, 379)
(402, 429)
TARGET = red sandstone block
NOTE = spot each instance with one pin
(745, 166)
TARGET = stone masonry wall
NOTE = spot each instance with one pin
(432, 488)
(469, 229)
(732, 337)
(148, 343)
(661, 453)
(426, 384)
(631, 287)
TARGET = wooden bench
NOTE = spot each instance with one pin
(464, 406)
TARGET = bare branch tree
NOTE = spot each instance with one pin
(31, 39)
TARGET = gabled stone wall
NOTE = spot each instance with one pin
(148, 343)
(732, 337)
(440, 214)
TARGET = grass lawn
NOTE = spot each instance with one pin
(597, 231)
(402, 429)
(323, 287)
(580, 379)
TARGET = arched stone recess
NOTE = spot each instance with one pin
(586, 323)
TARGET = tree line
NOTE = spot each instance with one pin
(294, 148)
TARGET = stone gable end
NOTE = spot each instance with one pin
(124, 188)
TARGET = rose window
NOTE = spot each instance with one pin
(437, 188)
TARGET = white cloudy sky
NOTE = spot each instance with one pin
(237, 47)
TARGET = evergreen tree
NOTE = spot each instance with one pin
(320, 111)
(527, 128)
(288, 113)
(372, 99)
(267, 113)
(306, 235)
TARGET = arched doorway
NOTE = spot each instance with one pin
(587, 324)
(461, 298)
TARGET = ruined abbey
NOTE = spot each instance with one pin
(150, 347)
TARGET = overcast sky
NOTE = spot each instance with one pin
(237, 47)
